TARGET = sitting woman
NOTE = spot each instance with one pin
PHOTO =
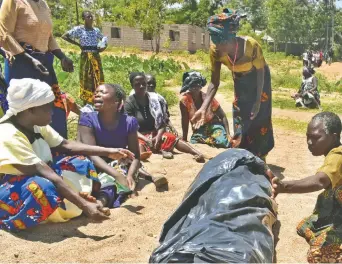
(109, 127)
(34, 188)
(146, 108)
(308, 95)
(151, 88)
(215, 130)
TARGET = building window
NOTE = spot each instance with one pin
(203, 39)
(147, 36)
(193, 37)
(174, 35)
(115, 32)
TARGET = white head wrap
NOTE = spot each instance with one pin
(26, 93)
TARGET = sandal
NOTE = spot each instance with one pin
(145, 155)
(167, 155)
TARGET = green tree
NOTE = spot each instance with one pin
(148, 15)
(195, 12)
(256, 11)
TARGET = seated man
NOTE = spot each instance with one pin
(323, 229)
(308, 95)
(215, 130)
(31, 187)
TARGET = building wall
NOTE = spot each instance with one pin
(190, 38)
(198, 39)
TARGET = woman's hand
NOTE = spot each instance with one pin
(255, 110)
(95, 211)
(131, 183)
(277, 187)
(9, 56)
(198, 119)
(118, 154)
(39, 67)
(157, 141)
(235, 141)
(67, 64)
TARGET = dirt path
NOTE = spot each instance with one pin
(333, 72)
(132, 232)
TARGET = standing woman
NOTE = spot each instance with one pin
(91, 42)
(26, 32)
(252, 106)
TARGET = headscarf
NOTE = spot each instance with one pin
(224, 26)
(26, 93)
(192, 78)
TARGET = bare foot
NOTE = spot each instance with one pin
(159, 181)
(92, 199)
(199, 158)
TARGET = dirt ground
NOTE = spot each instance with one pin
(333, 72)
(132, 232)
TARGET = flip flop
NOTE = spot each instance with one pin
(145, 155)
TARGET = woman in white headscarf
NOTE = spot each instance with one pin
(34, 188)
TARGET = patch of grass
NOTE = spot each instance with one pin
(290, 124)
(116, 70)
(283, 100)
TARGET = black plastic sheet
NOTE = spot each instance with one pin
(226, 215)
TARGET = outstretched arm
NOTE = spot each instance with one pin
(86, 135)
(199, 116)
(93, 210)
(313, 183)
(222, 115)
(213, 86)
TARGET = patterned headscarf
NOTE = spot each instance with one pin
(224, 26)
(192, 78)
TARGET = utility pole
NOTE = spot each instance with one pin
(77, 14)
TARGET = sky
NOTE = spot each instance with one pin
(339, 4)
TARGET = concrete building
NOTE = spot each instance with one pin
(173, 37)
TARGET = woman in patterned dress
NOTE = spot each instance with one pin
(322, 230)
(215, 130)
(91, 72)
(252, 106)
(34, 186)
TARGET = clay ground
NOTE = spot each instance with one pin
(132, 232)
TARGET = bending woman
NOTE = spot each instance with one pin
(91, 72)
(110, 127)
(31, 187)
(26, 32)
(215, 130)
(146, 108)
(252, 106)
